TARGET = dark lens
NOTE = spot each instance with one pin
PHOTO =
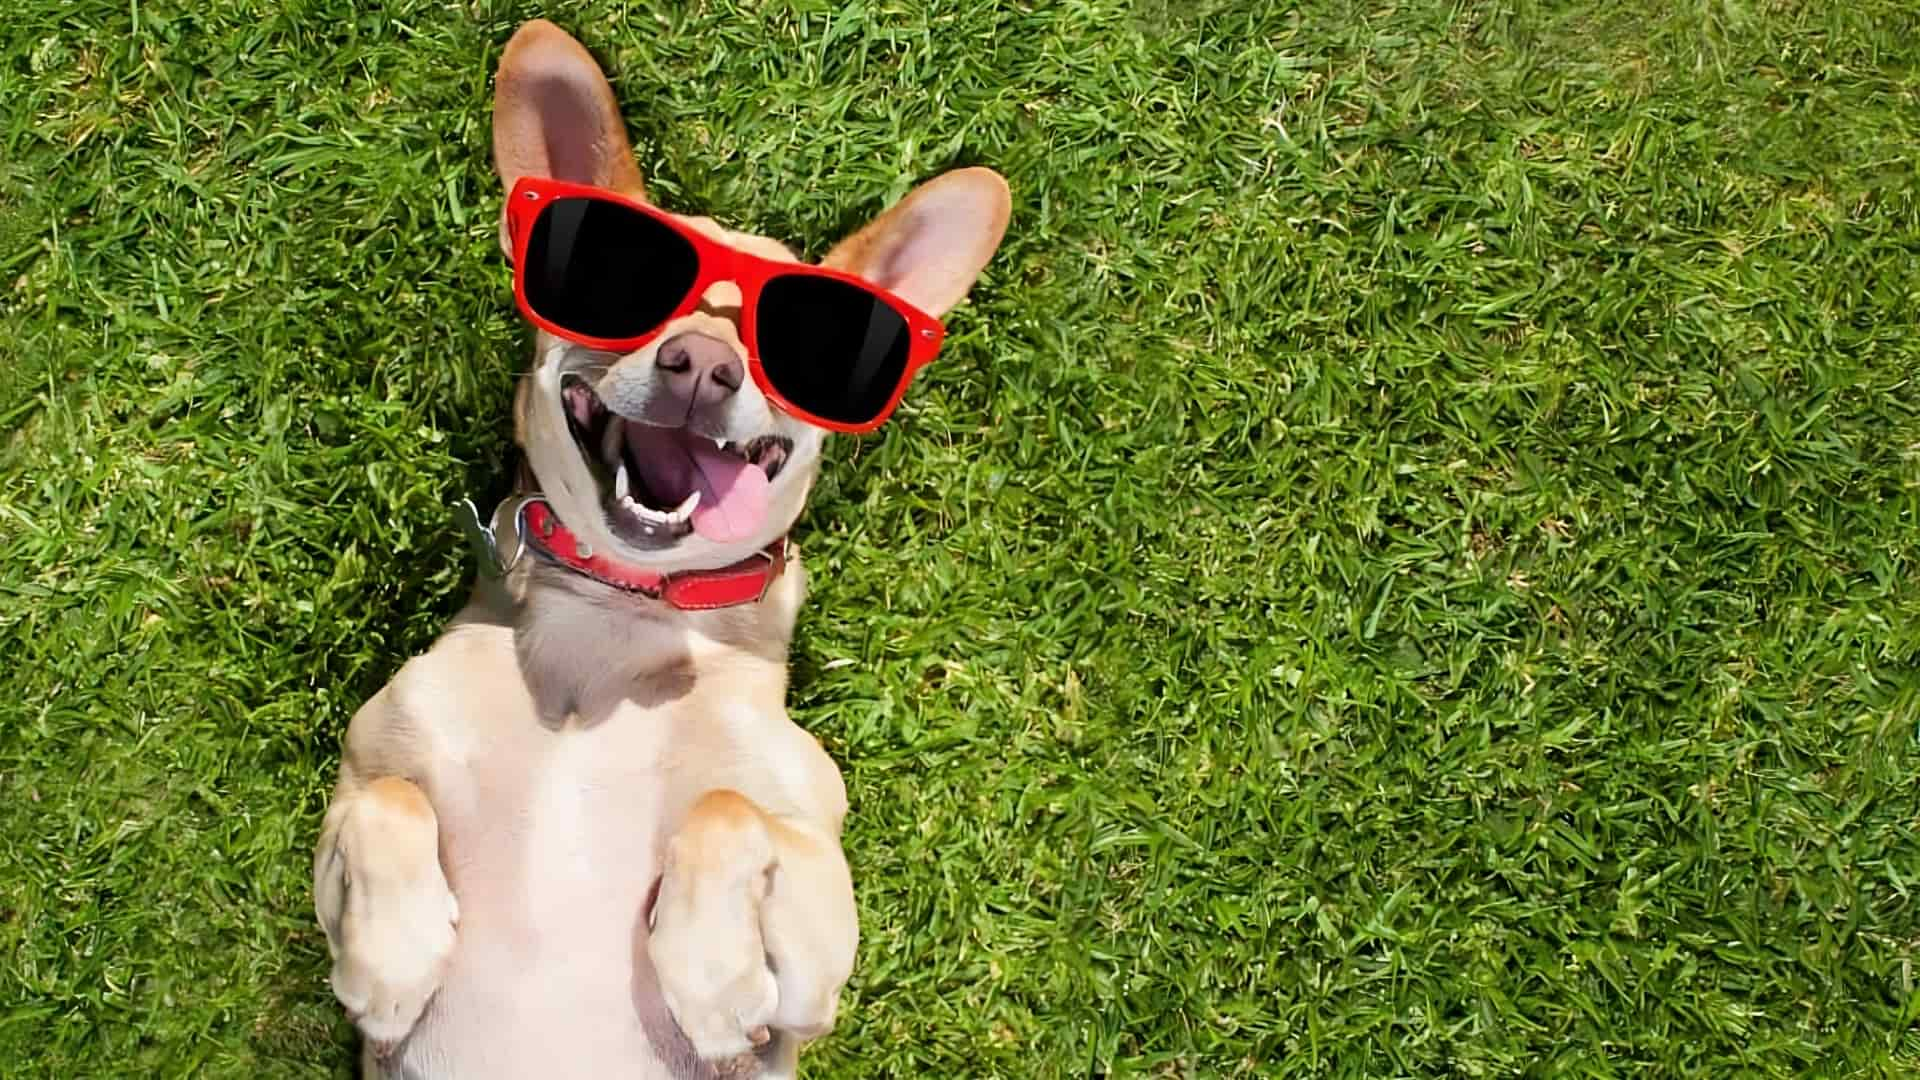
(834, 349)
(604, 270)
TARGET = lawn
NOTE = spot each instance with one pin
(1409, 564)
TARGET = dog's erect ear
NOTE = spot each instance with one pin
(931, 245)
(554, 115)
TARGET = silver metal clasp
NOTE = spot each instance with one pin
(484, 535)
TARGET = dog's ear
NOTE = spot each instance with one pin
(554, 115)
(930, 246)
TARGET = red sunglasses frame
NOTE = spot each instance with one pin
(717, 262)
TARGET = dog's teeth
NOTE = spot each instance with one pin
(620, 481)
(680, 514)
(644, 513)
(719, 444)
(648, 515)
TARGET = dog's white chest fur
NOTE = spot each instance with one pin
(551, 837)
(552, 824)
(550, 841)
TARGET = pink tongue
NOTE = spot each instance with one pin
(733, 493)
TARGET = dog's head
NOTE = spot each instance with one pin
(670, 457)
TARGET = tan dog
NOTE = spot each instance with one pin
(511, 804)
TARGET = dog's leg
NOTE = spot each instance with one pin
(384, 904)
(754, 930)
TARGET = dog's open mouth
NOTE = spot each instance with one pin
(659, 484)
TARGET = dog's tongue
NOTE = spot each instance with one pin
(674, 464)
(733, 494)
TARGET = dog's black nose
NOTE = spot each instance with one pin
(698, 369)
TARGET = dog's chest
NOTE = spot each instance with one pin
(547, 822)
(551, 839)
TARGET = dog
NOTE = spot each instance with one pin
(580, 836)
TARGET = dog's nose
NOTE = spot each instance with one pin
(698, 369)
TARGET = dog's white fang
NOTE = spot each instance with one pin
(685, 509)
(620, 480)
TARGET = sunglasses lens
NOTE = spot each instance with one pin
(830, 347)
(604, 270)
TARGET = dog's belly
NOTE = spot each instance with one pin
(550, 840)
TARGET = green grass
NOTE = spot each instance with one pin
(1408, 566)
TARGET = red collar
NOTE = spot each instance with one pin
(745, 582)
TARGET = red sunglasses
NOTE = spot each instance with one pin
(606, 271)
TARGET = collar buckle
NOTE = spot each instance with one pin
(484, 536)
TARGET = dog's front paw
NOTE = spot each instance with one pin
(706, 943)
(387, 911)
(392, 955)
